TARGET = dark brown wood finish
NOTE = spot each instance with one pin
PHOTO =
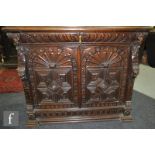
(73, 74)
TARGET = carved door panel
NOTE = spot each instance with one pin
(103, 71)
(53, 75)
(77, 75)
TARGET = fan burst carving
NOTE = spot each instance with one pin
(101, 82)
(102, 56)
(52, 57)
(53, 83)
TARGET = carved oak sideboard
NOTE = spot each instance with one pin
(74, 74)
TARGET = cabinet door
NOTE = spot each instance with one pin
(52, 72)
(104, 71)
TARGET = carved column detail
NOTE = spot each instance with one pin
(133, 71)
(135, 48)
(135, 61)
(15, 37)
(21, 51)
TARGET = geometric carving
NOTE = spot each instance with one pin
(54, 88)
(53, 69)
(98, 62)
(103, 89)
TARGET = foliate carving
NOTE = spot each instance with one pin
(135, 61)
(135, 47)
(21, 52)
(141, 36)
(47, 37)
(15, 37)
(107, 36)
(21, 72)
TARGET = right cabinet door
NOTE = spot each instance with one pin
(104, 74)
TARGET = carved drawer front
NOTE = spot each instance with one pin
(53, 76)
(104, 71)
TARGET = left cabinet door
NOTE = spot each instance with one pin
(52, 70)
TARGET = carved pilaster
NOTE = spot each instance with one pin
(15, 37)
(135, 48)
(22, 53)
(21, 62)
(135, 61)
(133, 72)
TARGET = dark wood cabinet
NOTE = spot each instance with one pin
(73, 74)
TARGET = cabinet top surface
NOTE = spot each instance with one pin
(75, 28)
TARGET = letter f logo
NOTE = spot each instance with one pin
(11, 117)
